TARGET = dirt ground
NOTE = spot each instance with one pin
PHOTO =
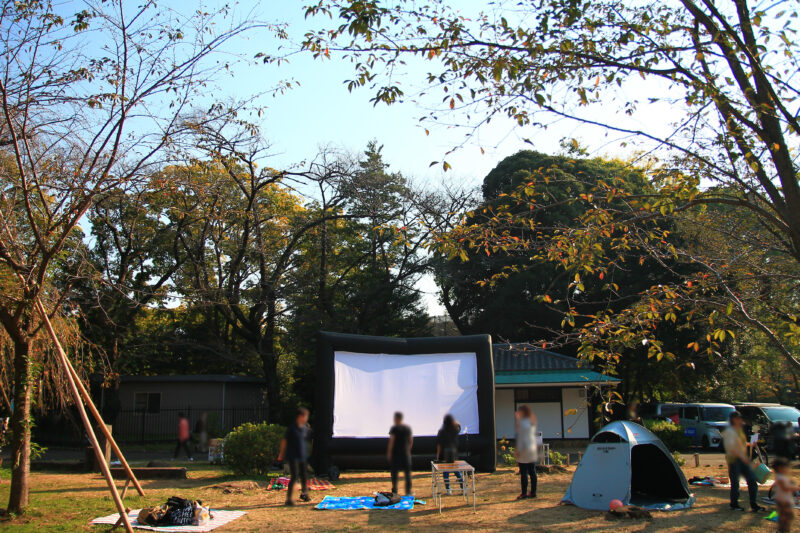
(66, 502)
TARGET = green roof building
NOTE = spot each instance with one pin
(555, 386)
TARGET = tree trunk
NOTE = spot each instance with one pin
(21, 429)
(269, 361)
(322, 288)
(273, 385)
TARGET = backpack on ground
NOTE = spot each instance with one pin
(384, 499)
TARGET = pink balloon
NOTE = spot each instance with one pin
(615, 504)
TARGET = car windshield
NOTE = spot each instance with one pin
(782, 414)
(717, 414)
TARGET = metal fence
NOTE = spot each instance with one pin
(134, 426)
(131, 426)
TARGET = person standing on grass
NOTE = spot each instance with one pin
(295, 451)
(184, 436)
(399, 452)
(526, 451)
(735, 444)
(201, 430)
(447, 447)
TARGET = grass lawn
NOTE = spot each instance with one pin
(66, 502)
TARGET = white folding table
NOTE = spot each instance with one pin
(464, 488)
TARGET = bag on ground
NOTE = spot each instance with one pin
(151, 516)
(384, 499)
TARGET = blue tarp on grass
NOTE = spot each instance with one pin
(349, 503)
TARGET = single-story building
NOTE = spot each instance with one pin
(554, 385)
(149, 405)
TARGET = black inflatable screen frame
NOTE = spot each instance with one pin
(343, 452)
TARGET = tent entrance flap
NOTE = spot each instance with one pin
(653, 475)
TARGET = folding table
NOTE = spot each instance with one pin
(465, 488)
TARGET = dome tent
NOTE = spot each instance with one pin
(626, 461)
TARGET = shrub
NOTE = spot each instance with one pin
(506, 452)
(250, 449)
(558, 459)
(678, 458)
(670, 434)
(508, 457)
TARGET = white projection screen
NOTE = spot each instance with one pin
(370, 387)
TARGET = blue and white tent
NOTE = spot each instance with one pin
(627, 462)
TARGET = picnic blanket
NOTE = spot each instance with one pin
(348, 503)
(220, 519)
(280, 483)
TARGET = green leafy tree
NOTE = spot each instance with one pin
(77, 121)
(515, 294)
(360, 271)
(725, 71)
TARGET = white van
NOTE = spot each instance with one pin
(707, 420)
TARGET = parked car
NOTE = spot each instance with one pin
(660, 411)
(708, 420)
(772, 421)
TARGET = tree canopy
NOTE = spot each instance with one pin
(725, 71)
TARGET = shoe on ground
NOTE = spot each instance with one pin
(532, 495)
(305, 497)
(736, 508)
(759, 509)
(522, 496)
(289, 503)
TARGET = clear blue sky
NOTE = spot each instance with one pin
(320, 111)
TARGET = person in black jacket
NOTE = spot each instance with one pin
(447, 447)
(399, 452)
(294, 451)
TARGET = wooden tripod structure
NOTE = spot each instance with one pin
(82, 400)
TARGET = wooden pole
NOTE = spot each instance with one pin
(88, 401)
(76, 395)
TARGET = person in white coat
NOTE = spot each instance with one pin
(526, 451)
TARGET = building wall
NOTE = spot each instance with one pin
(504, 413)
(551, 405)
(576, 426)
(174, 395)
(227, 405)
(244, 395)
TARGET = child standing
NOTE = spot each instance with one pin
(783, 495)
(399, 452)
(294, 451)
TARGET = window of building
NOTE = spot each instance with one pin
(537, 394)
(147, 402)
